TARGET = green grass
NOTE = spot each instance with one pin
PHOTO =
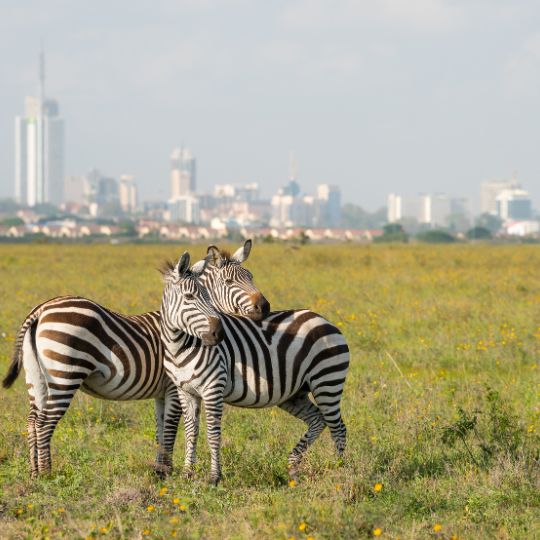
(433, 331)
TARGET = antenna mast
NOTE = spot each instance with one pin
(41, 74)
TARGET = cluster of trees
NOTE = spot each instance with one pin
(394, 232)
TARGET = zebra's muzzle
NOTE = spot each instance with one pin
(261, 308)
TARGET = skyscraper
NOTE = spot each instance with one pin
(39, 149)
(183, 173)
(128, 194)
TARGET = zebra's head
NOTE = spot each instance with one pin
(186, 306)
(230, 285)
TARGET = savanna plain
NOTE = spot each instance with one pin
(442, 404)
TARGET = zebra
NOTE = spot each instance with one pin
(71, 342)
(278, 360)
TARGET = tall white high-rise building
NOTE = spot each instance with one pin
(183, 173)
(39, 149)
(128, 194)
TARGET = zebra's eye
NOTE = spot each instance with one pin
(228, 282)
(189, 296)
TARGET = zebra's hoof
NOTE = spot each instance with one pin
(162, 470)
(293, 473)
(214, 480)
(189, 474)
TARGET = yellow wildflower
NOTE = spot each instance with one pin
(377, 487)
(150, 508)
(173, 520)
(437, 527)
(292, 483)
(377, 531)
(162, 491)
(302, 527)
(182, 508)
(176, 500)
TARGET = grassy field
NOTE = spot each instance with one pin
(441, 402)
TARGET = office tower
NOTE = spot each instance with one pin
(183, 173)
(184, 209)
(128, 194)
(107, 192)
(435, 209)
(77, 190)
(489, 192)
(39, 149)
(329, 204)
(514, 204)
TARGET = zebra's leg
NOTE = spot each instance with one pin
(171, 419)
(37, 392)
(46, 421)
(328, 400)
(301, 407)
(214, 412)
(161, 458)
(191, 408)
(32, 440)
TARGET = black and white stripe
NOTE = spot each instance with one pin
(277, 361)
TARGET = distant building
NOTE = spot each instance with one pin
(183, 173)
(128, 194)
(489, 192)
(435, 210)
(39, 150)
(401, 207)
(523, 228)
(328, 206)
(514, 204)
(107, 191)
(184, 209)
(77, 190)
(322, 210)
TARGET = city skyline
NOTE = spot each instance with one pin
(375, 100)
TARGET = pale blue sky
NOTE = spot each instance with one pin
(376, 96)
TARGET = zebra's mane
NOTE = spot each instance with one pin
(225, 255)
(168, 268)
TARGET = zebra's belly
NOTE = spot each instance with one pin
(258, 393)
(118, 390)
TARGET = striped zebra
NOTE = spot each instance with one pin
(71, 342)
(277, 361)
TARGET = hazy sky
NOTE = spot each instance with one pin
(375, 95)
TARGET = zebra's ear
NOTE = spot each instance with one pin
(242, 253)
(183, 264)
(213, 255)
(199, 267)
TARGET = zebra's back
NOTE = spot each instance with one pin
(112, 356)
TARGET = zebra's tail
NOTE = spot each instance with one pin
(16, 359)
